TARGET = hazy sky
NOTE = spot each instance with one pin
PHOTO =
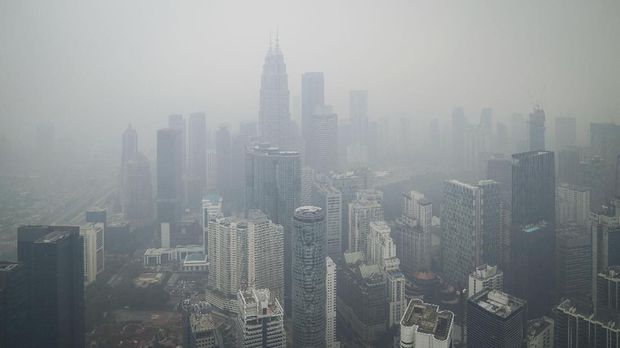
(103, 64)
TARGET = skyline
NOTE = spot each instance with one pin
(134, 63)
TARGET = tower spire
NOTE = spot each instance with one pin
(277, 37)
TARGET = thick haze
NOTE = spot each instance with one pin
(101, 65)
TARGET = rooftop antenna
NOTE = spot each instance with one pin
(277, 37)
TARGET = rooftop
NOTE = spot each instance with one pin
(611, 273)
(497, 302)
(538, 325)
(428, 319)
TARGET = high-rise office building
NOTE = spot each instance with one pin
(605, 141)
(485, 277)
(362, 298)
(578, 325)
(499, 169)
(358, 116)
(308, 277)
(470, 225)
(274, 119)
(129, 151)
(459, 123)
(138, 191)
(170, 161)
(223, 152)
(197, 159)
(518, 133)
(424, 325)
(312, 96)
(273, 185)
(572, 204)
(412, 234)
(307, 183)
(260, 320)
(322, 144)
(330, 304)
(540, 333)
(574, 260)
(608, 290)
(530, 266)
(328, 198)
(15, 327)
(565, 132)
(365, 209)
(605, 231)
(495, 319)
(569, 160)
(54, 260)
(536, 129)
(94, 242)
(597, 174)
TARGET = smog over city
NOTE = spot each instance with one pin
(309, 173)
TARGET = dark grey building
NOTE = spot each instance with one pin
(536, 129)
(170, 161)
(499, 169)
(273, 185)
(605, 229)
(308, 277)
(531, 263)
(15, 329)
(495, 319)
(459, 123)
(223, 151)
(608, 290)
(54, 261)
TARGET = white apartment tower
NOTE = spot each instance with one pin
(366, 208)
(260, 320)
(330, 304)
(94, 242)
(328, 198)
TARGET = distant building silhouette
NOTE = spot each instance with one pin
(536, 129)
(170, 161)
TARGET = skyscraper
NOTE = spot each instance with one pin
(328, 198)
(574, 260)
(223, 150)
(470, 227)
(412, 234)
(330, 304)
(268, 251)
(138, 191)
(530, 271)
(129, 151)
(260, 320)
(365, 209)
(177, 121)
(54, 260)
(536, 129)
(273, 185)
(495, 319)
(572, 204)
(565, 132)
(197, 159)
(312, 96)
(322, 144)
(14, 320)
(308, 277)
(358, 116)
(578, 325)
(274, 119)
(169, 174)
(605, 231)
(94, 242)
(459, 123)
